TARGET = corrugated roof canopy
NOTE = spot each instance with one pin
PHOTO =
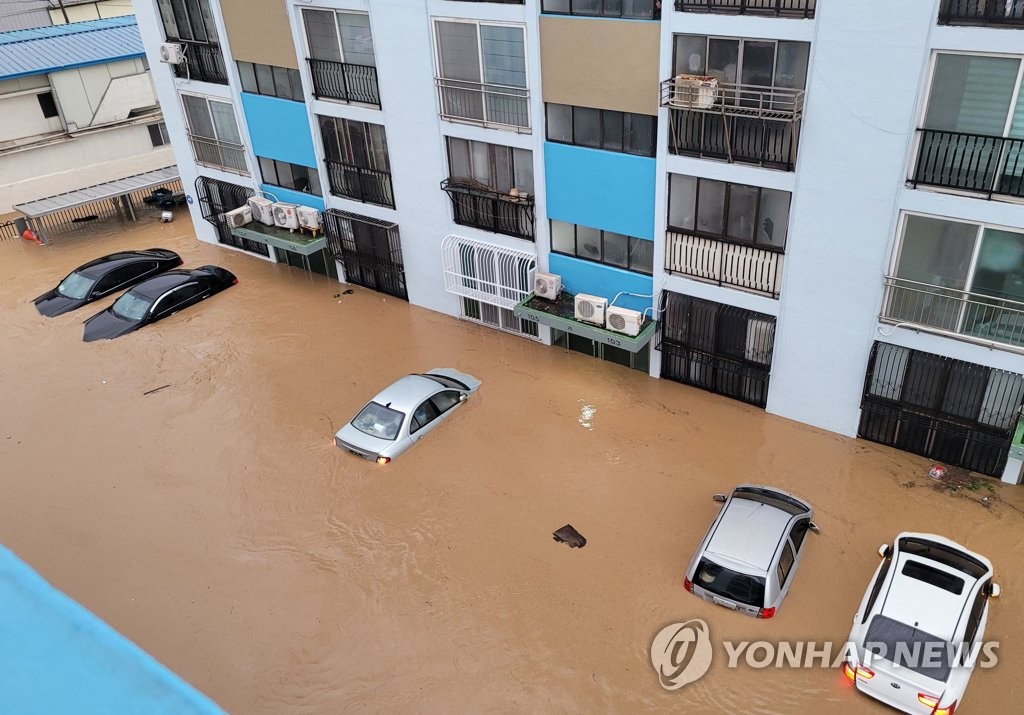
(99, 192)
(59, 47)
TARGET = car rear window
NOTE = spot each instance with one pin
(446, 381)
(944, 555)
(933, 576)
(733, 585)
(379, 421)
(909, 647)
(780, 501)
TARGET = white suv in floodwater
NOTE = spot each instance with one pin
(918, 632)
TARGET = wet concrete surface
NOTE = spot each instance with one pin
(215, 523)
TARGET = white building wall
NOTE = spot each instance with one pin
(23, 117)
(98, 94)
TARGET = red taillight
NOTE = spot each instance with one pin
(688, 584)
(859, 671)
(929, 700)
(766, 612)
(945, 711)
(848, 671)
(383, 460)
(234, 282)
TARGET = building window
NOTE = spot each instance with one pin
(491, 187)
(602, 129)
(761, 63)
(188, 20)
(728, 211)
(612, 249)
(290, 176)
(357, 161)
(214, 133)
(959, 277)
(500, 318)
(482, 73)
(158, 134)
(371, 251)
(973, 124)
(629, 9)
(48, 104)
(338, 36)
(271, 81)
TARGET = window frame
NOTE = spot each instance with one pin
(492, 163)
(725, 204)
(439, 66)
(158, 131)
(337, 33)
(294, 81)
(629, 248)
(926, 95)
(742, 40)
(209, 29)
(277, 164)
(414, 424)
(650, 152)
(655, 13)
(48, 104)
(342, 130)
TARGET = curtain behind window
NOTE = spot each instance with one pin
(504, 55)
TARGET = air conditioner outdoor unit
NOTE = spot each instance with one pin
(262, 209)
(309, 218)
(624, 320)
(285, 216)
(691, 91)
(239, 217)
(590, 308)
(172, 53)
(547, 285)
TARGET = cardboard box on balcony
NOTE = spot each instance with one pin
(692, 91)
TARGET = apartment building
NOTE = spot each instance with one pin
(762, 203)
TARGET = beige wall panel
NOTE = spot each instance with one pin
(258, 31)
(600, 63)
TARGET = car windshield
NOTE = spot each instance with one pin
(379, 421)
(909, 647)
(730, 584)
(75, 286)
(131, 306)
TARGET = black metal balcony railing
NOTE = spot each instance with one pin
(776, 8)
(367, 185)
(972, 162)
(982, 12)
(482, 207)
(346, 82)
(203, 62)
(972, 316)
(725, 263)
(484, 104)
(219, 154)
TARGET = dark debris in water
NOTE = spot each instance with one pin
(568, 535)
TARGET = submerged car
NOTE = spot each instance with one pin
(104, 276)
(749, 556)
(919, 630)
(157, 298)
(402, 414)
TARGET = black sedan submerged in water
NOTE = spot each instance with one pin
(104, 276)
(157, 298)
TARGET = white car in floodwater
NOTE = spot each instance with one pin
(403, 413)
(919, 630)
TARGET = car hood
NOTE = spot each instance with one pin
(52, 303)
(107, 325)
(468, 380)
(364, 442)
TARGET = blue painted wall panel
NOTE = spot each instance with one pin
(279, 129)
(276, 193)
(579, 276)
(600, 189)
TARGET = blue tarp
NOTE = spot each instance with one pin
(59, 47)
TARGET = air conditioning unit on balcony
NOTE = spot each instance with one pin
(590, 308)
(624, 320)
(691, 91)
(262, 210)
(547, 285)
(285, 215)
(309, 218)
(172, 53)
(238, 217)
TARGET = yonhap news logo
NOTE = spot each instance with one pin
(681, 653)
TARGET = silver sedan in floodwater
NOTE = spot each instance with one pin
(400, 415)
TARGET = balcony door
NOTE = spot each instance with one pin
(339, 37)
(214, 133)
(188, 20)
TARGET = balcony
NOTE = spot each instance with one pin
(219, 154)
(770, 8)
(482, 207)
(743, 123)
(560, 314)
(487, 105)
(203, 62)
(969, 316)
(724, 263)
(999, 13)
(367, 185)
(345, 82)
(987, 165)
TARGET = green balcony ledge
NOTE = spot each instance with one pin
(559, 314)
(296, 241)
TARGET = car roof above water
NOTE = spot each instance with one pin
(749, 532)
(405, 394)
(158, 285)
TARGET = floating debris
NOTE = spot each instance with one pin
(569, 535)
(587, 412)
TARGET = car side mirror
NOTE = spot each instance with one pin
(993, 590)
(885, 550)
(462, 396)
(814, 527)
(720, 498)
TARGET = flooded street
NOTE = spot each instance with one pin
(215, 523)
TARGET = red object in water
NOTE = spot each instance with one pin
(30, 235)
(936, 472)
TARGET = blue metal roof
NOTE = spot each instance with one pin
(61, 47)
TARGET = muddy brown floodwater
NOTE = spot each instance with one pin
(215, 524)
